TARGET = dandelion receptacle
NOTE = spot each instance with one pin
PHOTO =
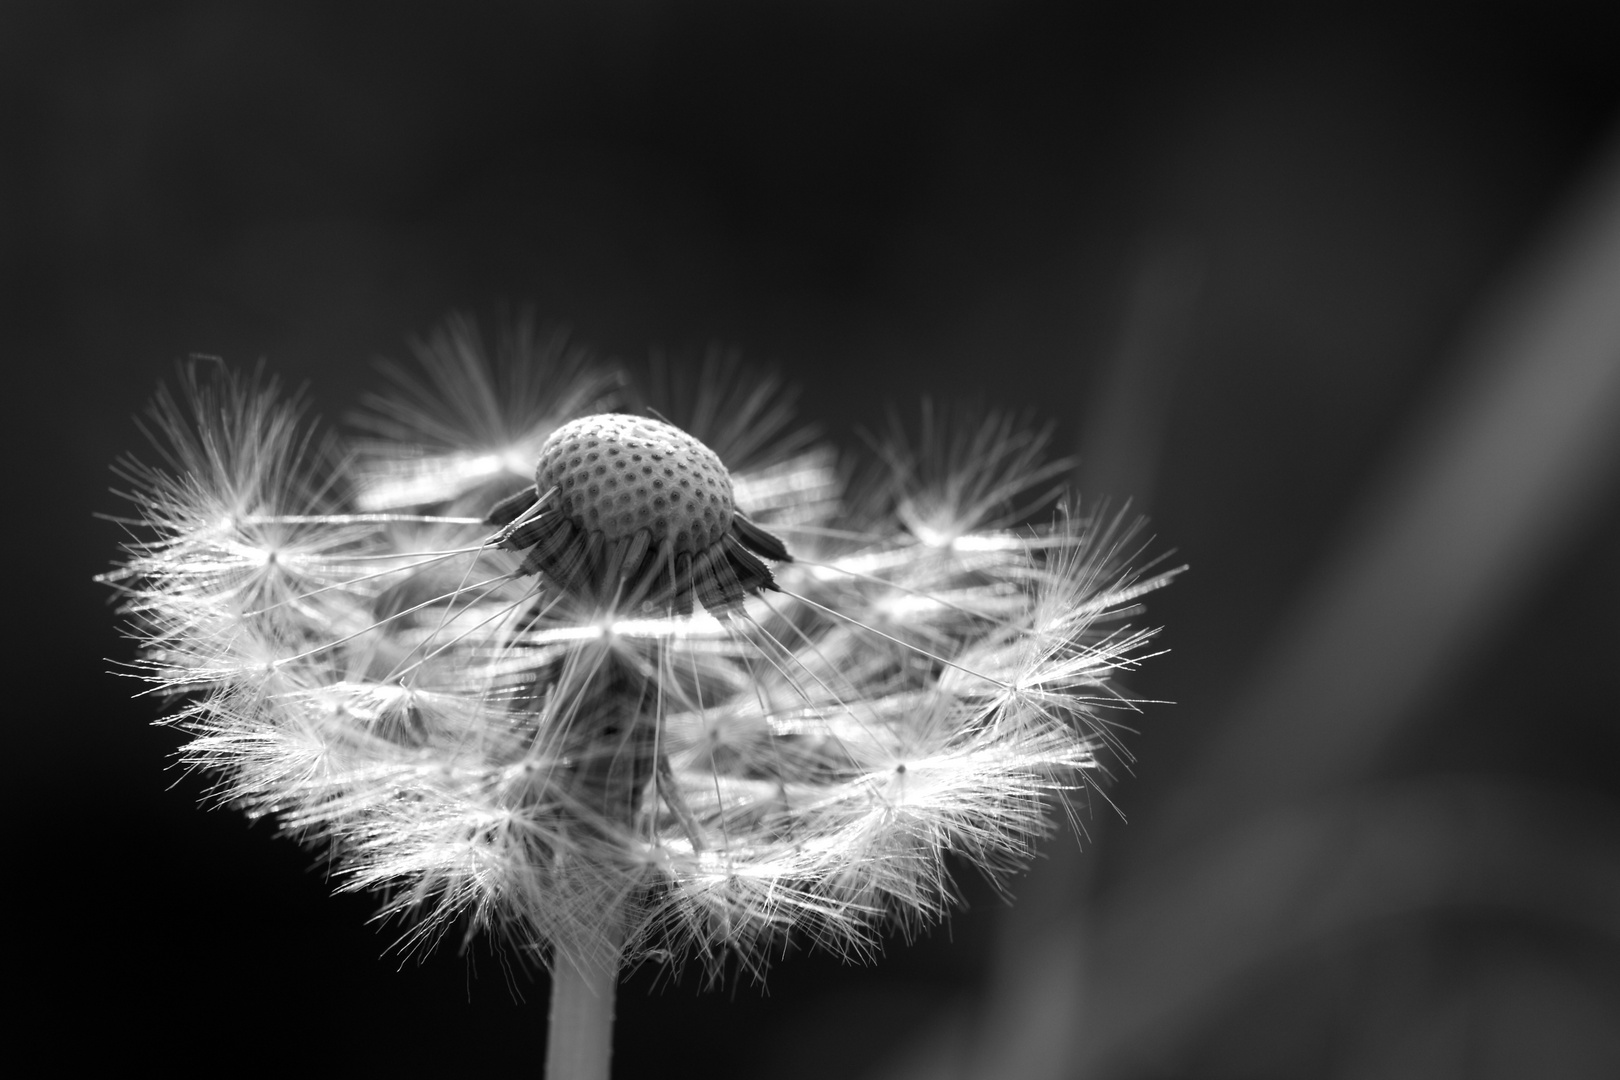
(618, 673)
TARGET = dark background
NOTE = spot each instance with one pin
(1246, 257)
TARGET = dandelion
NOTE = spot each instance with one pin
(621, 676)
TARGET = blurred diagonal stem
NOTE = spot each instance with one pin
(1123, 427)
(1497, 478)
(1496, 481)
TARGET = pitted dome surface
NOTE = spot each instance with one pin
(617, 474)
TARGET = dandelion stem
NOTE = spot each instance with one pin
(579, 1039)
(613, 741)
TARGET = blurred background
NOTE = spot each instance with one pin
(1333, 296)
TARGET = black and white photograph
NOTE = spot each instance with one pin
(888, 541)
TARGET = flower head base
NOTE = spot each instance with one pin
(585, 718)
(629, 510)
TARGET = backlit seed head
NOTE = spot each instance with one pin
(533, 745)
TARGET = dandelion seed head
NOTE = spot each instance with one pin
(573, 708)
